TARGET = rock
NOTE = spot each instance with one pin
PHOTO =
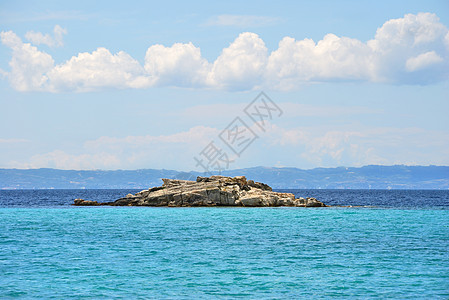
(209, 191)
(86, 202)
(259, 185)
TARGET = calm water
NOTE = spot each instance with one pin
(399, 249)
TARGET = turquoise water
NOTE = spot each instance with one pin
(130, 252)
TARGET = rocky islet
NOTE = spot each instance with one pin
(209, 191)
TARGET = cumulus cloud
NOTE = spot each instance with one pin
(332, 58)
(98, 69)
(398, 40)
(39, 38)
(29, 66)
(409, 50)
(422, 61)
(178, 65)
(242, 64)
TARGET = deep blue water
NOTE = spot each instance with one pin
(397, 249)
(379, 198)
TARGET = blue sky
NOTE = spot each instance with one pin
(100, 85)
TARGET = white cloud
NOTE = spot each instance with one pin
(320, 146)
(410, 31)
(131, 152)
(62, 160)
(29, 66)
(331, 146)
(409, 50)
(178, 65)
(89, 71)
(332, 58)
(401, 39)
(423, 61)
(308, 146)
(241, 21)
(242, 64)
(38, 38)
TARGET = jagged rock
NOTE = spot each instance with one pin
(209, 191)
(259, 185)
(82, 202)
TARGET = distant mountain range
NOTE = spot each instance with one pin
(367, 177)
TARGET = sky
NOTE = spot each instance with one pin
(205, 85)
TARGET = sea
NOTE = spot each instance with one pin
(370, 244)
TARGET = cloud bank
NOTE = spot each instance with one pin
(301, 146)
(409, 50)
